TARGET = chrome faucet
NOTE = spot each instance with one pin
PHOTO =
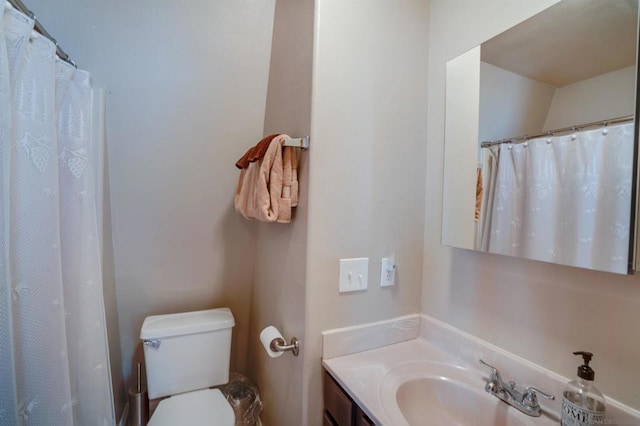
(526, 402)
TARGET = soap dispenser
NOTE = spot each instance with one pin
(582, 402)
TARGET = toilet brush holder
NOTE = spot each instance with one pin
(138, 403)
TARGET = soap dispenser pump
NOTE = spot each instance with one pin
(582, 402)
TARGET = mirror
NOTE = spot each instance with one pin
(540, 138)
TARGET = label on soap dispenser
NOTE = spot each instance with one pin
(574, 415)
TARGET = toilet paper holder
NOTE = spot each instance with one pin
(279, 345)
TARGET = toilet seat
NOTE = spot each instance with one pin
(199, 408)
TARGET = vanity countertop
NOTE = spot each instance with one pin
(360, 374)
(419, 348)
(363, 376)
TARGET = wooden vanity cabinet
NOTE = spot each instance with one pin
(339, 408)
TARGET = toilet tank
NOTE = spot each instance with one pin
(187, 351)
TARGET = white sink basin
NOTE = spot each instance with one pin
(421, 399)
(440, 394)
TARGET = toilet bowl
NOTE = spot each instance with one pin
(203, 407)
(187, 354)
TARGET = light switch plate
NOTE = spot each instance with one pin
(353, 274)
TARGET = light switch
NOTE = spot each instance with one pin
(353, 274)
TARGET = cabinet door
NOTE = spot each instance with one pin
(336, 403)
(327, 420)
(361, 418)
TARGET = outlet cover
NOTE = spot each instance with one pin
(353, 274)
(387, 272)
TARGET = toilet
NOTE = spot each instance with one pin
(185, 355)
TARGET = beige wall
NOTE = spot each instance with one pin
(187, 85)
(278, 295)
(461, 130)
(366, 175)
(539, 311)
(608, 95)
(511, 105)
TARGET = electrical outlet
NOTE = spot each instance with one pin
(353, 274)
(388, 272)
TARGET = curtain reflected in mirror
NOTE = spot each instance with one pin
(561, 199)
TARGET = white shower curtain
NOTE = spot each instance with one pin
(54, 367)
(563, 199)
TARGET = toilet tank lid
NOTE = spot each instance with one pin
(169, 325)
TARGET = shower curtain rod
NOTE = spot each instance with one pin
(39, 28)
(520, 139)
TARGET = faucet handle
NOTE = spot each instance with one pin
(533, 391)
(495, 373)
(530, 396)
(494, 385)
